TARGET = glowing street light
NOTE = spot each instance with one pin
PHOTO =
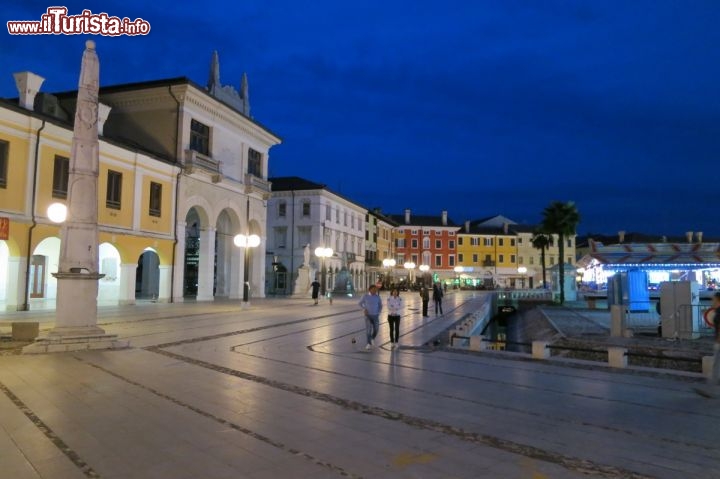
(522, 270)
(409, 266)
(322, 253)
(57, 212)
(389, 263)
(247, 242)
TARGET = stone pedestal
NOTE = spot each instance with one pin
(301, 287)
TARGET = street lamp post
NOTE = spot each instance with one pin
(424, 270)
(389, 263)
(322, 253)
(522, 270)
(247, 242)
(458, 270)
(409, 266)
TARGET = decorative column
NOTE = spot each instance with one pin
(127, 284)
(77, 277)
(206, 272)
(164, 283)
(15, 286)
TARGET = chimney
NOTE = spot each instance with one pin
(103, 112)
(689, 236)
(28, 85)
(444, 217)
(699, 236)
(506, 226)
(407, 217)
(621, 236)
(467, 226)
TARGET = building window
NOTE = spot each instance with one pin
(414, 258)
(488, 241)
(475, 241)
(306, 208)
(282, 209)
(113, 195)
(414, 243)
(451, 233)
(400, 243)
(426, 242)
(155, 199)
(520, 240)
(438, 260)
(400, 259)
(520, 260)
(328, 213)
(426, 258)
(552, 260)
(569, 260)
(460, 240)
(451, 260)
(337, 216)
(200, 137)
(451, 244)
(460, 257)
(501, 258)
(4, 147)
(255, 163)
(500, 242)
(512, 241)
(61, 172)
(304, 235)
(413, 232)
(280, 237)
(512, 258)
(532, 260)
(438, 244)
(569, 243)
(475, 258)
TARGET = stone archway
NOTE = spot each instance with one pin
(44, 261)
(4, 272)
(227, 256)
(147, 275)
(192, 253)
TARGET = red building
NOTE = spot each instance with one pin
(426, 241)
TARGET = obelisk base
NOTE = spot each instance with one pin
(76, 326)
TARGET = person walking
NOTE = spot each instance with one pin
(395, 307)
(425, 297)
(315, 290)
(713, 389)
(437, 298)
(372, 306)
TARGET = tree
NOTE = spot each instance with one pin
(541, 241)
(561, 219)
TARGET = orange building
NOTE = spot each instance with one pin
(425, 241)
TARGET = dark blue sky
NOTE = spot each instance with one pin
(477, 107)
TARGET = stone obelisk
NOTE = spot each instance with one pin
(77, 277)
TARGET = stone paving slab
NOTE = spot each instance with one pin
(279, 390)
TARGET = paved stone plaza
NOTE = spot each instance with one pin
(279, 390)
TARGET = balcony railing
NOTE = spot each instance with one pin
(254, 184)
(197, 161)
(488, 262)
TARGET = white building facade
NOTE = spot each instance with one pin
(302, 216)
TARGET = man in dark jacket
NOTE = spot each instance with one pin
(437, 298)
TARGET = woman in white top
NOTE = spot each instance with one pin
(395, 307)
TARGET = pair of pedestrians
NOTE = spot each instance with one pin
(372, 307)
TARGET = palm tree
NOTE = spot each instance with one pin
(561, 219)
(542, 241)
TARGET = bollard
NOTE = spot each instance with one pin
(707, 366)
(540, 350)
(617, 357)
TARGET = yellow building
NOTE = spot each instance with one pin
(487, 255)
(136, 193)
